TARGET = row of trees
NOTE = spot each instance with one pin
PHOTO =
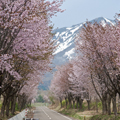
(26, 49)
(40, 99)
(43, 99)
(95, 72)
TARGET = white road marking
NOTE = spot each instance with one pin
(46, 113)
(60, 114)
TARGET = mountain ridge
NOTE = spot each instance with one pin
(66, 47)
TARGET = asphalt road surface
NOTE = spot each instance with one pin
(44, 113)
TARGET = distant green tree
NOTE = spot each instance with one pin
(52, 99)
(40, 99)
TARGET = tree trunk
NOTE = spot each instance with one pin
(66, 101)
(103, 107)
(73, 104)
(3, 106)
(61, 102)
(13, 105)
(7, 107)
(118, 103)
(114, 105)
(104, 104)
(19, 102)
(88, 101)
(106, 107)
(109, 105)
(22, 104)
(77, 102)
(80, 103)
(70, 104)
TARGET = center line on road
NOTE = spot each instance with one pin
(60, 114)
(46, 113)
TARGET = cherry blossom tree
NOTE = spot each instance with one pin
(59, 85)
(68, 84)
(95, 71)
(25, 43)
(81, 85)
(46, 99)
(99, 47)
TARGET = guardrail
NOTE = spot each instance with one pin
(30, 119)
(19, 116)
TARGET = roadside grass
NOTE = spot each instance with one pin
(105, 117)
(16, 107)
(0, 104)
(86, 114)
(74, 114)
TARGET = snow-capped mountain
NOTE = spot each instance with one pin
(66, 37)
(66, 46)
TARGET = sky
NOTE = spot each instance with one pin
(78, 11)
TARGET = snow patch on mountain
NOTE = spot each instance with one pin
(63, 46)
(77, 28)
(67, 35)
(108, 21)
(65, 40)
(56, 35)
(69, 53)
(68, 28)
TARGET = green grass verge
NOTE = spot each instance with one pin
(0, 104)
(105, 117)
(73, 113)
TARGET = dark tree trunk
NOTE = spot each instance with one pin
(3, 106)
(104, 104)
(109, 105)
(103, 107)
(77, 99)
(1, 81)
(88, 101)
(114, 105)
(22, 102)
(106, 107)
(61, 102)
(13, 105)
(73, 104)
(118, 103)
(7, 107)
(66, 101)
(19, 102)
(69, 100)
(80, 103)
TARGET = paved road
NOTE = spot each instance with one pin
(44, 113)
